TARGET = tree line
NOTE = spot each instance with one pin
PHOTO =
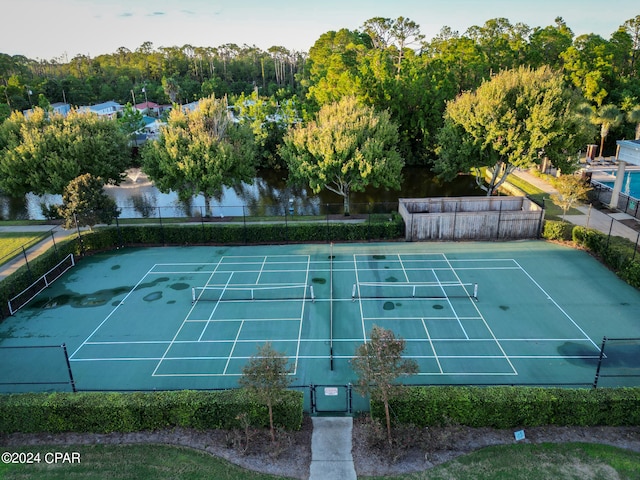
(347, 114)
(386, 63)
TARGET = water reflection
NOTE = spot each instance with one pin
(268, 195)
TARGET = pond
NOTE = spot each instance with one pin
(269, 194)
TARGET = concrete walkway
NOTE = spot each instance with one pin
(331, 457)
(56, 234)
(591, 217)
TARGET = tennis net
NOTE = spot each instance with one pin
(29, 293)
(237, 293)
(416, 290)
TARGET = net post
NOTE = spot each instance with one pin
(595, 380)
(193, 295)
(475, 292)
(313, 295)
(353, 293)
(413, 293)
(66, 357)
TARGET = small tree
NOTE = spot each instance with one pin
(378, 363)
(266, 376)
(571, 190)
(84, 201)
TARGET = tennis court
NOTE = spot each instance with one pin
(526, 312)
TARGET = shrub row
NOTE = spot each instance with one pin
(392, 228)
(386, 227)
(615, 252)
(510, 407)
(130, 412)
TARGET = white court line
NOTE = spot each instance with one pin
(355, 268)
(451, 305)
(475, 305)
(435, 355)
(110, 314)
(403, 269)
(557, 306)
(233, 347)
(184, 322)
(261, 269)
(215, 307)
(304, 303)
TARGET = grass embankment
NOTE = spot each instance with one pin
(11, 243)
(157, 462)
(552, 211)
(568, 461)
(116, 462)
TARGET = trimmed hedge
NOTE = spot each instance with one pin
(617, 253)
(378, 227)
(510, 407)
(130, 412)
(557, 230)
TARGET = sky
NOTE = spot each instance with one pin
(62, 29)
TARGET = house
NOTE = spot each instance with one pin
(108, 109)
(147, 108)
(60, 108)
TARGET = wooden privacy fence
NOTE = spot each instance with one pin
(471, 218)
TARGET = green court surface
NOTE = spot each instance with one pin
(130, 322)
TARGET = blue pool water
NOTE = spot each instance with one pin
(630, 185)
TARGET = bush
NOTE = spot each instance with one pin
(511, 407)
(615, 252)
(129, 412)
(556, 230)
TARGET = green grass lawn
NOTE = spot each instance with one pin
(120, 462)
(552, 211)
(157, 462)
(577, 461)
(11, 243)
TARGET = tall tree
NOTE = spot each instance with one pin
(608, 117)
(378, 364)
(346, 148)
(633, 116)
(512, 121)
(44, 152)
(200, 152)
(267, 376)
(334, 65)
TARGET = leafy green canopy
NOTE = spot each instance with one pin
(347, 148)
(43, 153)
(512, 121)
(200, 152)
(84, 202)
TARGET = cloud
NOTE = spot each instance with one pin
(125, 14)
(157, 14)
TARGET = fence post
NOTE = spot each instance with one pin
(75, 218)
(119, 232)
(161, 225)
(610, 230)
(55, 247)
(26, 261)
(244, 223)
(369, 221)
(327, 215)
